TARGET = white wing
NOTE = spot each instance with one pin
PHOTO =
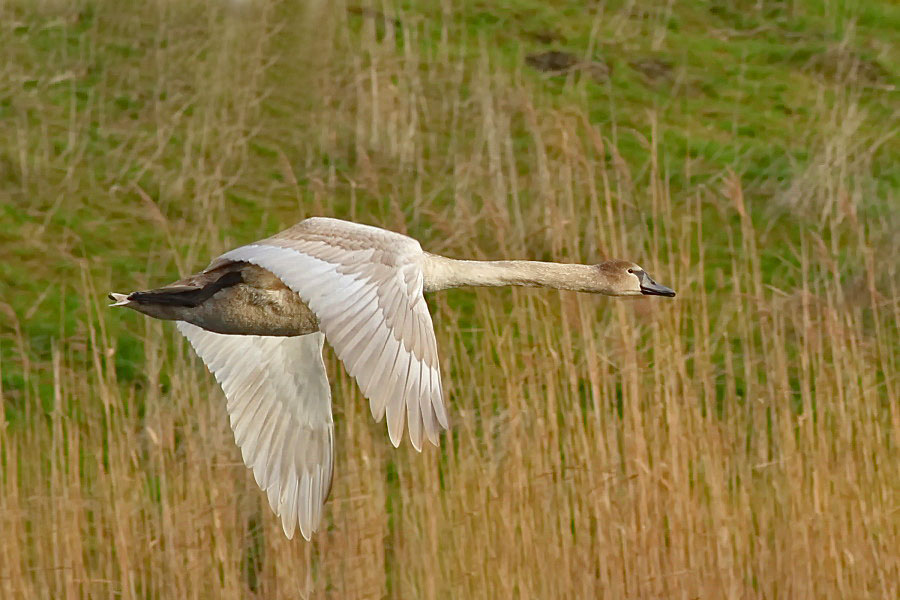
(279, 404)
(366, 290)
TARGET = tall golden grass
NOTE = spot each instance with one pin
(739, 441)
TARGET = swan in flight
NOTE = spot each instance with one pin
(258, 316)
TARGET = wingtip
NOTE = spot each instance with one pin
(289, 526)
(119, 299)
(396, 436)
(433, 437)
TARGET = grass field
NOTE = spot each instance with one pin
(738, 441)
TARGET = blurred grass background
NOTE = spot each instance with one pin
(739, 441)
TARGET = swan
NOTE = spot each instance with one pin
(258, 317)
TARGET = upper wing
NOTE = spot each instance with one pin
(279, 404)
(367, 294)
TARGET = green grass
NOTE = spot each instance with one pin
(739, 441)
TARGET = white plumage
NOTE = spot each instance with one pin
(259, 314)
(279, 404)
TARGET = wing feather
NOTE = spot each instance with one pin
(279, 405)
(370, 306)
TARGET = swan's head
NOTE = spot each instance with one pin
(624, 278)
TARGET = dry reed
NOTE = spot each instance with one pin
(739, 441)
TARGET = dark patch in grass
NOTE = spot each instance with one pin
(559, 63)
(841, 63)
(653, 69)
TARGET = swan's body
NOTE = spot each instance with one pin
(259, 314)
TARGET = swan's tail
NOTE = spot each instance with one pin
(119, 299)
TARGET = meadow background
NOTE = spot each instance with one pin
(738, 441)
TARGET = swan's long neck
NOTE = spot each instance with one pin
(442, 273)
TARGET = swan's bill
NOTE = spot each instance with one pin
(651, 288)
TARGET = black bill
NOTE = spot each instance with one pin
(651, 288)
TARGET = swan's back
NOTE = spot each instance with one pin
(349, 237)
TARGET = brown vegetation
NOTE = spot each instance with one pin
(739, 441)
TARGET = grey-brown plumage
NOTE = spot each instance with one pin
(259, 314)
(236, 298)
